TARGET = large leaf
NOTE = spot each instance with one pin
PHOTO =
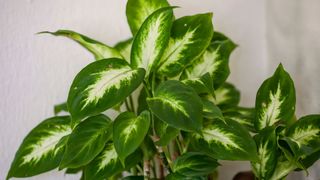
(101, 85)
(194, 164)
(306, 134)
(129, 132)
(41, 149)
(267, 151)
(178, 105)
(275, 101)
(124, 47)
(151, 40)
(86, 141)
(138, 10)
(227, 141)
(107, 164)
(98, 49)
(190, 36)
(215, 60)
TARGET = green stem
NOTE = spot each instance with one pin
(127, 105)
(179, 146)
(131, 103)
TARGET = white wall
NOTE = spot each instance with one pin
(36, 70)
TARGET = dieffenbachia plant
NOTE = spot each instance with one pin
(185, 119)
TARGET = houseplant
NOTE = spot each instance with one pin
(185, 118)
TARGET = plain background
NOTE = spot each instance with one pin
(36, 70)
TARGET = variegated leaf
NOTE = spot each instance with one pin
(243, 115)
(129, 131)
(190, 36)
(151, 40)
(275, 101)
(165, 132)
(41, 150)
(101, 85)
(266, 142)
(227, 141)
(226, 96)
(306, 134)
(86, 141)
(107, 164)
(178, 105)
(215, 61)
(211, 111)
(124, 47)
(283, 168)
(193, 164)
(202, 85)
(137, 11)
(98, 49)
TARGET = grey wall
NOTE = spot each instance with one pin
(36, 71)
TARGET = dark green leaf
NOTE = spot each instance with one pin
(211, 111)
(243, 115)
(124, 47)
(60, 108)
(226, 96)
(165, 132)
(202, 85)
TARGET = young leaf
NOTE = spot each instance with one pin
(227, 141)
(107, 164)
(267, 152)
(178, 105)
(306, 134)
(40, 150)
(151, 40)
(194, 164)
(211, 111)
(202, 85)
(190, 36)
(214, 61)
(124, 47)
(98, 49)
(60, 108)
(129, 132)
(137, 11)
(165, 132)
(275, 100)
(86, 141)
(101, 85)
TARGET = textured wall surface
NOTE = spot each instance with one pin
(36, 70)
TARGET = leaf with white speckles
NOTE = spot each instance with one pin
(129, 131)
(275, 101)
(41, 149)
(101, 85)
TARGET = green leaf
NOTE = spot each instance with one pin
(124, 47)
(151, 40)
(306, 134)
(138, 10)
(86, 141)
(178, 105)
(194, 164)
(165, 132)
(107, 164)
(129, 132)
(190, 36)
(142, 100)
(41, 151)
(275, 101)
(60, 108)
(227, 141)
(243, 115)
(215, 61)
(211, 111)
(226, 96)
(283, 168)
(101, 85)
(98, 49)
(202, 85)
(267, 152)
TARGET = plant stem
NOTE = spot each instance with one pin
(127, 105)
(131, 103)
(179, 146)
(146, 169)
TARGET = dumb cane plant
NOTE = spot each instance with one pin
(186, 116)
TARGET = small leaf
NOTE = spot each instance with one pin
(98, 49)
(124, 47)
(194, 164)
(151, 40)
(211, 111)
(101, 85)
(129, 132)
(107, 164)
(137, 11)
(40, 150)
(215, 60)
(226, 141)
(165, 132)
(86, 141)
(202, 85)
(226, 96)
(243, 115)
(63, 107)
(275, 100)
(178, 105)
(283, 168)
(267, 152)
(190, 36)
